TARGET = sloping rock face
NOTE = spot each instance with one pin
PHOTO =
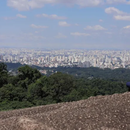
(96, 113)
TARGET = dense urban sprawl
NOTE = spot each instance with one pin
(55, 58)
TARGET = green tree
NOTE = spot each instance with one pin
(28, 72)
(27, 75)
(6, 92)
(60, 85)
(3, 74)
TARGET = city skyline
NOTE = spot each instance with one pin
(61, 24)
(68, 58)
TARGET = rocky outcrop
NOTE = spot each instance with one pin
(96, 113)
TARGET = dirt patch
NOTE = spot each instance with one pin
(96, 113)
(31, 124)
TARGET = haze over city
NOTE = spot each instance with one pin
(64, 24)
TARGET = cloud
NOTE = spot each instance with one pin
(11, 18)
(31, 36)
(2, 37)
(115, 1)
(125, 30)
(23, 5)
(64, 24)
(35, 26)
(79, 34)
(53, 16)
(120, 17)
(21, 16)
(127, 27)
(100, 20)
(108, 32)
(113, 10)
(76, 24)
(5, 37)
(36, 32)
(8, 18)
(37, 37)
(86, 3)
(95, 28)
(60, 35)
(117, 14)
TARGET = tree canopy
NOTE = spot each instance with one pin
(29, 88)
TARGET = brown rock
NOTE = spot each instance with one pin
(96, 113)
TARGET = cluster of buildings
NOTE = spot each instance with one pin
(70, 58)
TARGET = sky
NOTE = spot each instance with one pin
(65, 24)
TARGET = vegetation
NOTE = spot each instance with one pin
(29, 88)
(120, 74)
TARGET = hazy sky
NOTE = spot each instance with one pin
(66, 24)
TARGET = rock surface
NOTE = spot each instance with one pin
(96, 113)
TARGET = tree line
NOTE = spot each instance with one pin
(30, 88)
(121, 74)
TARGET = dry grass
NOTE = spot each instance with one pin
(96, 113)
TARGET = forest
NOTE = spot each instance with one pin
(30, 88)
(119, 74)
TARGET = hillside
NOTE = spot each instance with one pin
(120, 74)
(96, 113)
